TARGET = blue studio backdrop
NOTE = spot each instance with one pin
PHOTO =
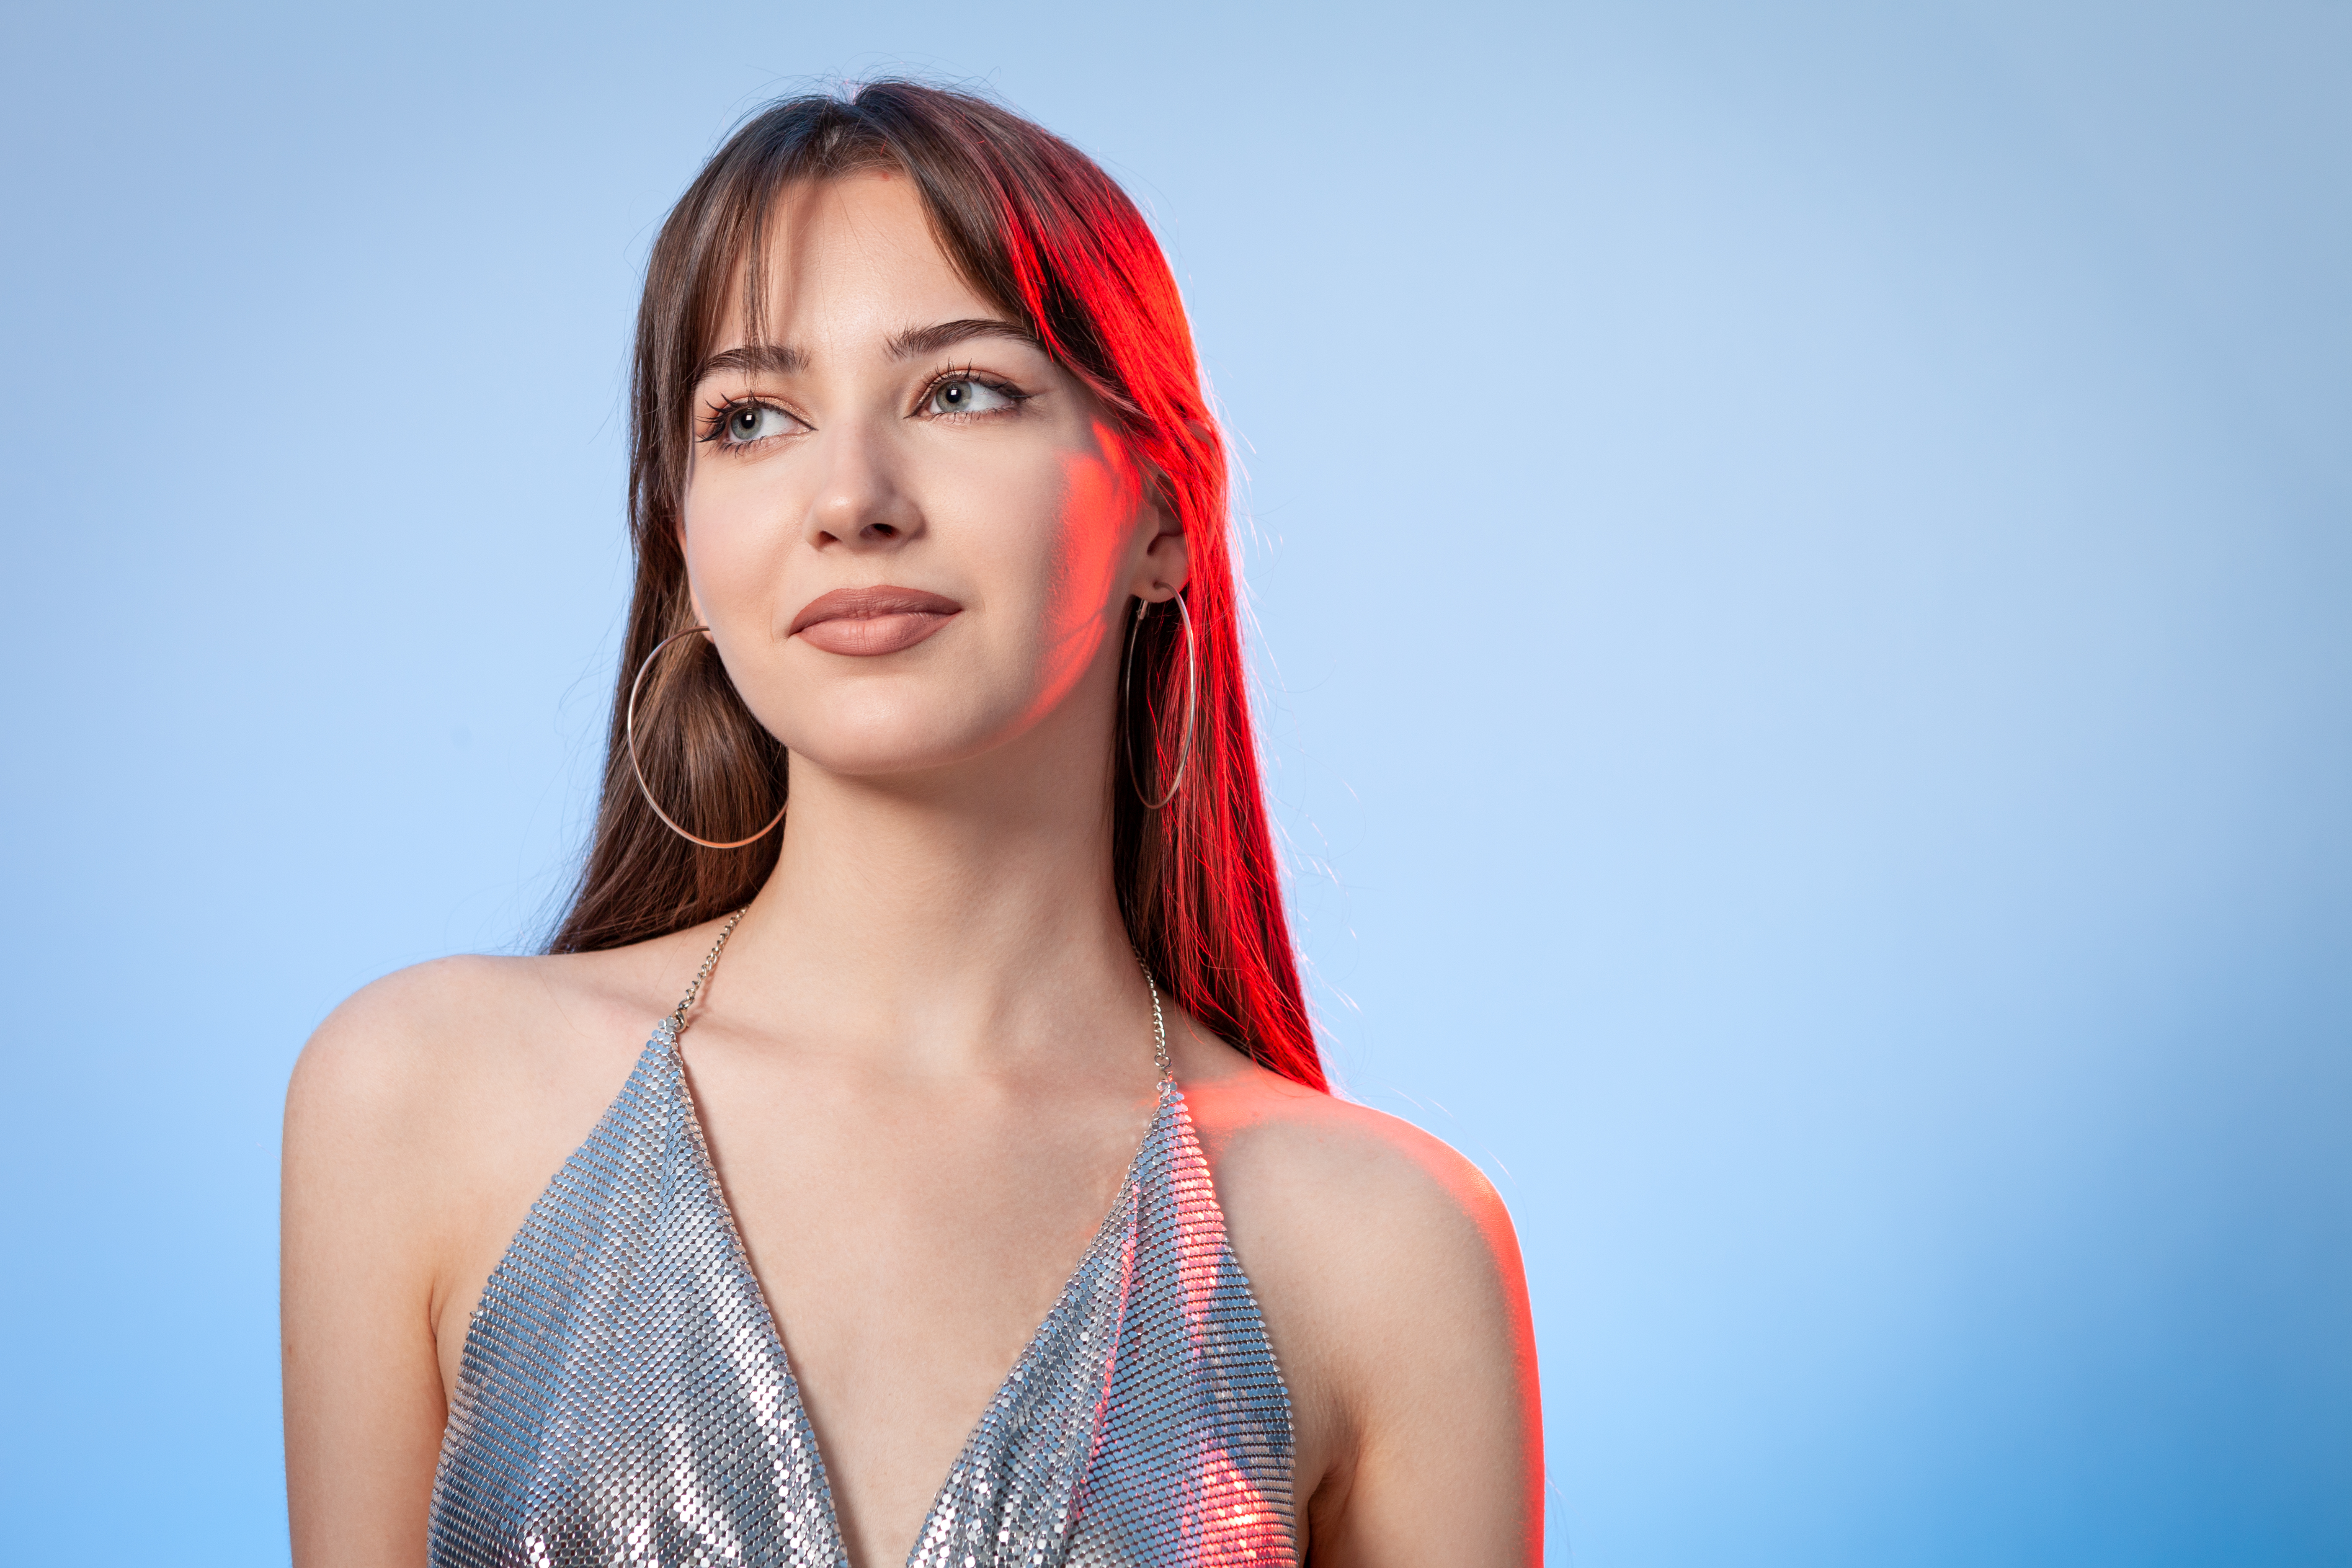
(1800, 557)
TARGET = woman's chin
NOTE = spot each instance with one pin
(913, 751)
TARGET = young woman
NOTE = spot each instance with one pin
(978, 1198)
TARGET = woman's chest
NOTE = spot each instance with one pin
(625, 1343)
(911, 1255)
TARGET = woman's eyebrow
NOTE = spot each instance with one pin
(753, 359)
(783, 359)
(918, 340)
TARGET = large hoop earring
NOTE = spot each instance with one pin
(629, 729)
(1192, 703)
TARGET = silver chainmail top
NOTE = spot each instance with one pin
(625, 1398)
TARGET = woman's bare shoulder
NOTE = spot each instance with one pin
(1330, 1196)
(1349, 1185)
(419, 1032)
(431, 1106)
(1389, 1276)
(418, 1049)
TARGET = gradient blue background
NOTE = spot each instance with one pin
(1803, 555)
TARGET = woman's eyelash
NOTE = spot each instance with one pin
(716, 416)
(716, 413)
(714, 419)
(949, 375)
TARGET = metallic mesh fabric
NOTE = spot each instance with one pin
(625, 1399)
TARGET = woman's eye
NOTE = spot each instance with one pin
(751, 422)
(965, 395)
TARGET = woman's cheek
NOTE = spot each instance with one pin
(730, 551)
(1096, 502)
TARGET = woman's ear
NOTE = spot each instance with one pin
(1166, 562)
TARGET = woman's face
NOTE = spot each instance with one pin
(911, 534)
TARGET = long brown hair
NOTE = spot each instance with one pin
(1039, 230)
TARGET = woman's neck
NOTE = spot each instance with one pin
(950, 924)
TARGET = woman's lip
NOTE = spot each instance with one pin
(866, 621)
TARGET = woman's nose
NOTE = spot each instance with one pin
(860, 502)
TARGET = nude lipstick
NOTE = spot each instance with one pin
(868, 621)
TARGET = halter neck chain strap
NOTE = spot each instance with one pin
(1159, 1026)
(676, 1022)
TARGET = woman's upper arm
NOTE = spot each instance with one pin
(1436, 1356)
(363, 1399)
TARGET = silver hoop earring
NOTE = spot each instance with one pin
(1192, 703)
(629, 729)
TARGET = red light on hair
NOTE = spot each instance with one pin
(1037, 228)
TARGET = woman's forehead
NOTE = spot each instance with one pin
(845, 263)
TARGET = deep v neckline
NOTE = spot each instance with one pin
(1115, 1232)
(626, 1394)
